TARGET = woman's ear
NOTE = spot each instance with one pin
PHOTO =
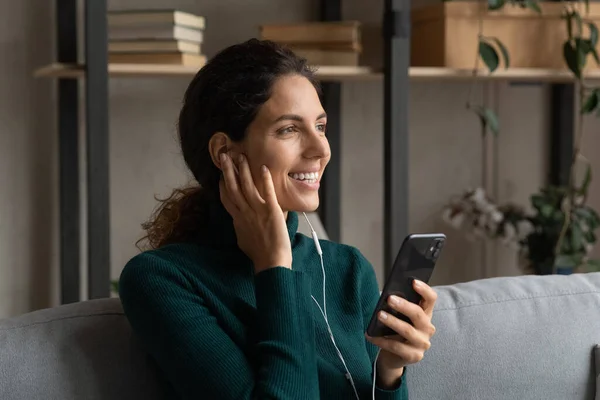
(219, 143)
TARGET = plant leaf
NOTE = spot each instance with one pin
(532, 4)
(587, 179)
(584, 215)
(591, 43)
(577, 238)
(592, 265)
(489, 55)
(566, 261)
(595, 216)
(583, 47)
(571, 58)
(547, 210)
(114, 286)
(488, 118)
(593, 34)
(492, 120)
(590, 237)
(567, 17)
(537, 201)
(579, 21)
(503, 50)
(495, 4)
(590, 103)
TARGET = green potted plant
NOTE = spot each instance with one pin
(535, 234)
(560, 231)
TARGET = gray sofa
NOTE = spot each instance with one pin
(511, 338)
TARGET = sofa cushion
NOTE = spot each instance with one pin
(528, 337)
(79, 351)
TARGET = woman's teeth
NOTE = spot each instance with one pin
(310, 177)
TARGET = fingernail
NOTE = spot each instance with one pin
(383, 315)
(395, 300)
(223, 157)
(241, 158)
(418, 283)
(264, 168)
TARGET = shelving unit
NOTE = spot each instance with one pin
(97, 71)
(395, 77)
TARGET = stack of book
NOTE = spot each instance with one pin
(156, 37)
(321, 43)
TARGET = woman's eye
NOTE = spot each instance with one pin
(321, 127)
(289, 129)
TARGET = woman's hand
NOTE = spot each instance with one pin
(412, 341)
(258, 220)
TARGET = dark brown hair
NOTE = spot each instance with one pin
(224, 96)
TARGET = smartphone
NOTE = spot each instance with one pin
(416, 259)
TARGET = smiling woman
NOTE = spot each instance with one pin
(222, 297)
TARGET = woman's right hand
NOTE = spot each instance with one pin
(258, 220)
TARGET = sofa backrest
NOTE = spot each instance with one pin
(527, 337)
(520, 338)
(77, 351)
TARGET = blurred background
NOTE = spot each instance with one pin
(451, 149)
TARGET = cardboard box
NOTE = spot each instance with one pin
(446, 34)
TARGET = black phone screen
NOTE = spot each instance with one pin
(415, 260)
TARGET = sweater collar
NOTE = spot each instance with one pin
(221, 224)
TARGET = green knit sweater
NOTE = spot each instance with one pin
(218, 331)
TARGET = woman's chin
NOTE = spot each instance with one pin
(306, 205)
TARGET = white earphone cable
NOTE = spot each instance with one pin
(325, 317)
(339, 353)
(375, 372)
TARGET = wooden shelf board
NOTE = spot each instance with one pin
(511, 74)
(59, 70)
(330, 73)
(75, 71)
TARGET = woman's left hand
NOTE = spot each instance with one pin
(412, 341)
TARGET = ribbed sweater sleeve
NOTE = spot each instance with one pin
(197, 355)
(369, 289)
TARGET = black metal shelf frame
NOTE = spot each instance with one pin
(97, 152)
(68, 137)
(329, 209)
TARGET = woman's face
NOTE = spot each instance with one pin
(288, 136)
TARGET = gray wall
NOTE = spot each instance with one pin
(28, 170)
(145, 160)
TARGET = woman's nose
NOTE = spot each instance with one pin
(318, 145)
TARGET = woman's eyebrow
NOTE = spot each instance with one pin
(295, 117)
(286, 117)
